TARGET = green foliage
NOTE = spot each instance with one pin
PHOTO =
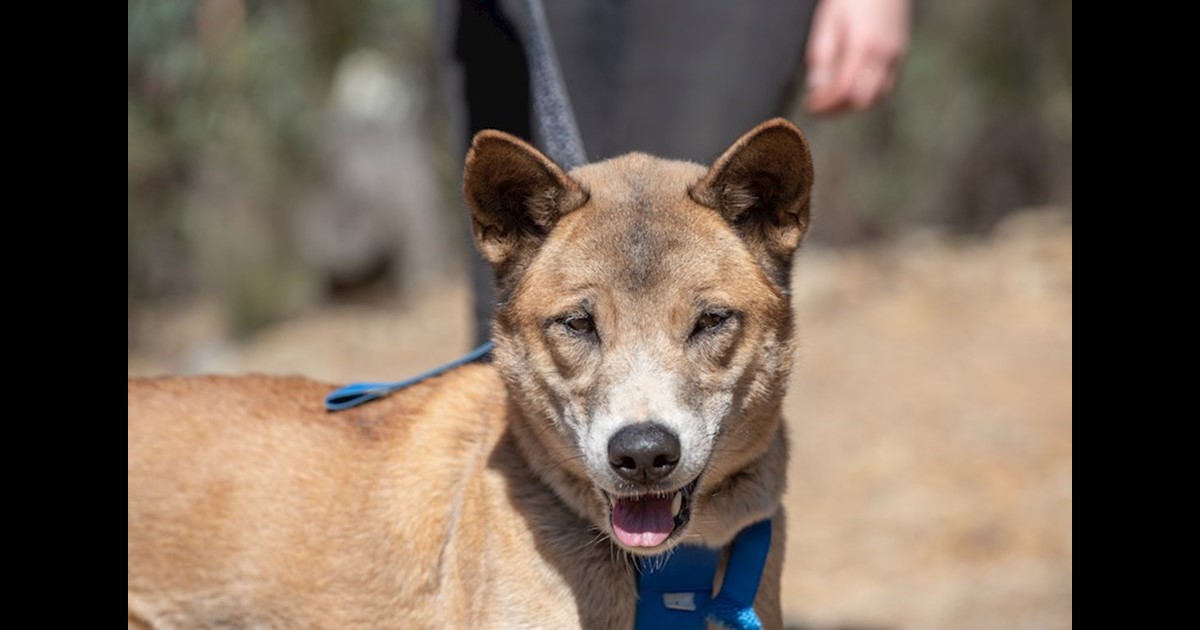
(979, 126)
(224, 101)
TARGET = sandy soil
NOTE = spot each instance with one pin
(930, 415)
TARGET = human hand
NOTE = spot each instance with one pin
(854, 53)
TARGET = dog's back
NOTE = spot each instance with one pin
(331, 510)
(255, 507)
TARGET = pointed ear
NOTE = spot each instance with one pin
(516, 195)
(762, 185)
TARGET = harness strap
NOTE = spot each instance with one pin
(675, 590)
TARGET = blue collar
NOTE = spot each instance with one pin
(675, 590)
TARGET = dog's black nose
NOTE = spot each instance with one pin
(643, 452)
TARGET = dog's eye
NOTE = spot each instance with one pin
(582, 325)
(710, 321)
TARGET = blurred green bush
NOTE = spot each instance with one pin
(979, 126)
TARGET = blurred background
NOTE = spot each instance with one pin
(293, 207)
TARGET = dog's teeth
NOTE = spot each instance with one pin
(676, 504)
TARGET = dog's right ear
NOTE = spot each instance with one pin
(516, 195)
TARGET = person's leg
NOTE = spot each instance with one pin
(487, 83)
(677, 79)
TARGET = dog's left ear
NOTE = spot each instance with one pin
(762, 186)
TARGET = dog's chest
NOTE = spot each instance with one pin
(522, 558)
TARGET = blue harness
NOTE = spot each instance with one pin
(675, 589)
(677, 592)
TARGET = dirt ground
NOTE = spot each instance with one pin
(930, 415)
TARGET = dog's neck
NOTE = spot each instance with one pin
(574, 490)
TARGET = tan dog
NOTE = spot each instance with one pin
(643, 343)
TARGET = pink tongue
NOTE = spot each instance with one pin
(644, 522)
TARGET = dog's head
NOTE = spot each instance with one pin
(644, 326)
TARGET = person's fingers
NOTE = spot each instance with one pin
(821, 56)
(869, 85)
(821, 100)
(849, 68)
(849, 73)
(862, 82)
(854, 53)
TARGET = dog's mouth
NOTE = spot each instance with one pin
(648, 520)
